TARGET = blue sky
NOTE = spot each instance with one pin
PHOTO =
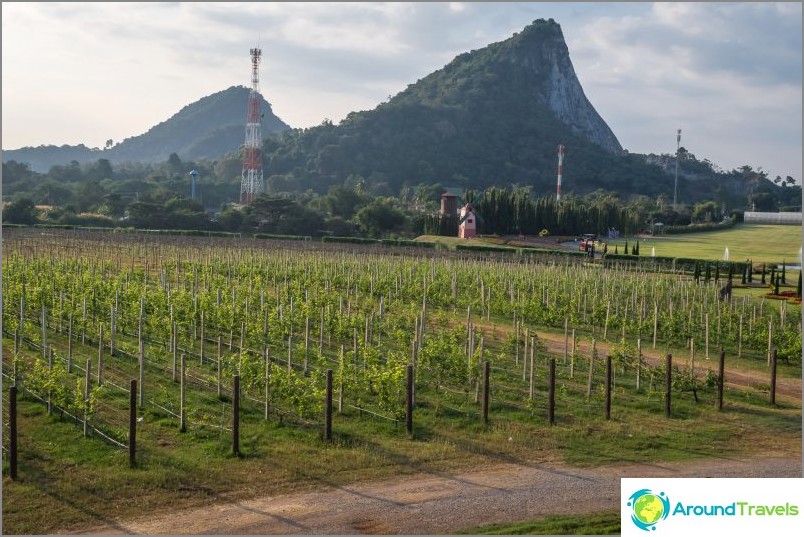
(728, 74)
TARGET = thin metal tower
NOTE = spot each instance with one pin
(675, 188)
(560, 171)
(251, 180)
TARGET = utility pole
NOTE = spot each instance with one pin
(675, 188)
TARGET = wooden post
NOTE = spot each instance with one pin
(530, 390)
(183, 414)
(486, 370)
(706, 352)
(608, 387)
(668, 382)
(328, 408)
(70, 345)
(132, 424)
(44, 332)
(100, 355)
(655, 321)
(639, 362)
(12, 426)
(175, 349)
(50, 367)
(203, 335)
(112, 328)
(87, 382)
(220, 342)
(721, 379)
(740, 339)
(236, 417)
(267, 360)
(566, 339)
(572, 356)
(551, 394)
(773, 377)
(409, 401)
(307, 341)
(591, 369)
(290, 353)
(141, 364)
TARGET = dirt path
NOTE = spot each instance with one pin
(785, 387)
(432, 504)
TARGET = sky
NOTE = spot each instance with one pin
(729, 75)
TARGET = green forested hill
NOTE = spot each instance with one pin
(206, 129)
(494, 116)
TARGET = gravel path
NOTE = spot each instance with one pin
(432, 504)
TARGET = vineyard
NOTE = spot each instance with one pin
(495, 343)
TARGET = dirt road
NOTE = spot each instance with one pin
(432, 504)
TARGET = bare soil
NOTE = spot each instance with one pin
(430, 503)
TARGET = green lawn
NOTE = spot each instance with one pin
(761, 243)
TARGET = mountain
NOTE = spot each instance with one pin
(208, 128)
(491, 116)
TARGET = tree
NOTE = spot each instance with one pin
(21, 211)
(379, 217)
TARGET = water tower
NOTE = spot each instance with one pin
(194, 175)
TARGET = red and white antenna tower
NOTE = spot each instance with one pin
(251, 181)
(560, 170)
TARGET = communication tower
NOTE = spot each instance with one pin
(251, 180)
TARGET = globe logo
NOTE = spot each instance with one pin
(648, 508)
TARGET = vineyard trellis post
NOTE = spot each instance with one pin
(328, 408)
(182, 393)
(551, 393)
(668, 382)
(639, 363)
(486, 370)
(236, 416)
(220, 342)
(408, 400)
(132, 424)
(12, 426)
(721, 379)
(87, 383)
(267, 359)
(591, 369)
(608, 387)
(773, 376)
(70, 345)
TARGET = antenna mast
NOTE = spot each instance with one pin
(251, 180)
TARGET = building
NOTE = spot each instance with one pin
(467, 226)
(793, 219)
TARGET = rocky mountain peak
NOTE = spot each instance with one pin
(541, 49)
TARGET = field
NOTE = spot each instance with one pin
(85, 313)
(760, 243)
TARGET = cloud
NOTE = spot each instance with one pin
(727, 73)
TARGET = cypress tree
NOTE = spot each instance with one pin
(798, 288)
(763, 273)
(784, 272)
(717, 271)
(708, 274)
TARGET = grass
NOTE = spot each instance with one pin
(81, 482)
(600, 523)
(761, 243)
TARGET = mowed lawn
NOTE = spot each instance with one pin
(760, 243)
